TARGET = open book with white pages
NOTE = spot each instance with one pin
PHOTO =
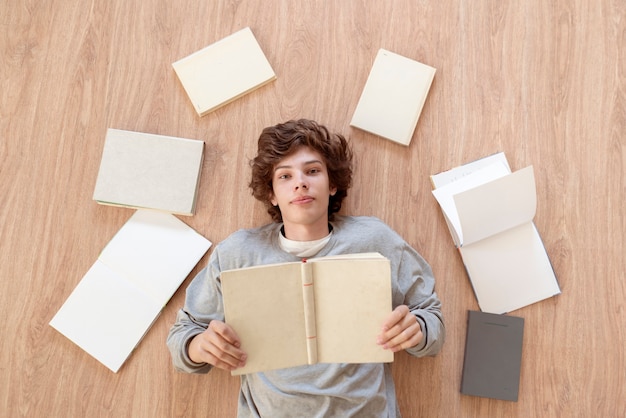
(489, 211)
(125, 290)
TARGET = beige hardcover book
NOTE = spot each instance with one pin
(147, 171)
(124, 291)
(490, 213)
(321, 310)
(393, 97)
(224, 71)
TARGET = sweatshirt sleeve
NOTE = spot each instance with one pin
(203, 304)
(416, 284)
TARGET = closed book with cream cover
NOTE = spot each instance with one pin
(393, 97)
(147, 171)
(224, 71)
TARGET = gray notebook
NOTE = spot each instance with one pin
(493, 356)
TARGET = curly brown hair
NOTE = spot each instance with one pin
(279, 141)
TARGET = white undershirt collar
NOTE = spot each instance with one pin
(303, 248)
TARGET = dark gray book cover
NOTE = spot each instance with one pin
(493, 356)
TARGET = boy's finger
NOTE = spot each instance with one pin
(396, 316)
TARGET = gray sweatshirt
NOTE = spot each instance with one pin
(321, 390)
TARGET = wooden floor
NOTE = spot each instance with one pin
(543, 81)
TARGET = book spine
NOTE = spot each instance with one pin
(309, 311)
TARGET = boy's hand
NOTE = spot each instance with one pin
(400, 330)
(218, 346)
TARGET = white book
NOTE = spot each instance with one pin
(224, 71)
(393, 97)
(124, 291)
(490, 213)
(147, 171)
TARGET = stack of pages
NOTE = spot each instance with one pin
(490, 212)
(124, 291)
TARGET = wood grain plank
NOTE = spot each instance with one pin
(543, 81)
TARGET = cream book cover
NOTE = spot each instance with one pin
(321, 310)
(147, 171)
(393, 97)
(124, 291)
(224, 71)
(490, 213)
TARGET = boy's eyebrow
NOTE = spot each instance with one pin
(278, 167)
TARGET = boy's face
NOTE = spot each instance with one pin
(301, 189)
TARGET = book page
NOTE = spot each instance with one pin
(457, 173)
(352, 299)
(496, 206)
(106, 316)
(264, 305)
(124, 291)
(155, 251)
(445, 194)
(510, 270)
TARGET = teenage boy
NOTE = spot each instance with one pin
(302, 173)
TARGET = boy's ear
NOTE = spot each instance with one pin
(273, 200)
(333, 191)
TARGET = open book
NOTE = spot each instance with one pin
(490, 212)
(147, 171)
(224, 71)
(321, 310)
(124, 291)
(393, 97)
